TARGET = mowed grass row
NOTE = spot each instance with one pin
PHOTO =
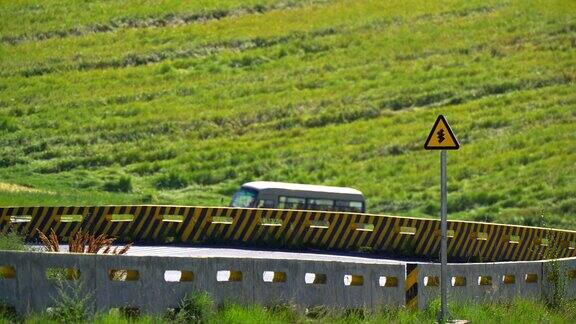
(383, 83)
(332, 92)
(119, 48)
(374, 53)
(54, 19)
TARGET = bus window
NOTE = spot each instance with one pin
(321, 204)
(244, 198)
(291, 202)
(264, 203)
(349, 206)
(357, 206)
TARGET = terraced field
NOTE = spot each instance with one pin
(167, 102)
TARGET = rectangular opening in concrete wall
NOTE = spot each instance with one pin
(449, 233)
(222, 220)
(70, 218)
(508, 279)
(172, 218)
(458, 281)
(480, 236)
(541, 241)
(386, 281)
(319, 224)
(364, 227)
(531, 278)
(431, 281)
(274, 276)
(20, 218)
(572, 274)
(407, 230)
(7, 272)
(484, 281)
(274, 222)
(62, 274)
(228, 276)
(178, 276)
(120, 217)
(123, 275)
(315, 278)
(514, 239)
(353, 280)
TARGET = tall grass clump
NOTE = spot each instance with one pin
(122, 184)
(7, 125)
(8, 314)
(171, 180)
(235, 313)
(198, 307)
(555, 274)
(73, 304)
(83, 242)
(12, 241)
(511, 311)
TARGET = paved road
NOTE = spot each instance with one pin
(211, 252)
(207, 252)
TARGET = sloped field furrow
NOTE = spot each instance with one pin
(164, 20)
(322, 95)
(36, 58)
(339, 65)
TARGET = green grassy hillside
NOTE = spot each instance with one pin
(167, 102)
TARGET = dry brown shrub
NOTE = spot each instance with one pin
(83, 242)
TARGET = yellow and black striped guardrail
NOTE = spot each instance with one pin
(411, 286)
(468, 241)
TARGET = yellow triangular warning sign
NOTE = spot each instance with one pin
(441, 136)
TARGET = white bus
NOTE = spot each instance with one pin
(267, 194)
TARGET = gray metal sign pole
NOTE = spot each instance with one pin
(442, 138)
(443, 242)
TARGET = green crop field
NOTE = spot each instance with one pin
(172, 102)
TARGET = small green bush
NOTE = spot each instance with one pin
(122, 184)
(431, 208)
(196, 308)
(73, 303)
(171, 180)
(12, 241)
(208, 177)
(7, 161)
(8, 314)
(6, 125)
(146, 168)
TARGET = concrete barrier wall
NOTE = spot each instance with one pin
(30, 290)
(479, 282)
(568, 270)
(26, 287)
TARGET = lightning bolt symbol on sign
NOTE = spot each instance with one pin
(440, 136)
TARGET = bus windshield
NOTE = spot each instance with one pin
(244, 198)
